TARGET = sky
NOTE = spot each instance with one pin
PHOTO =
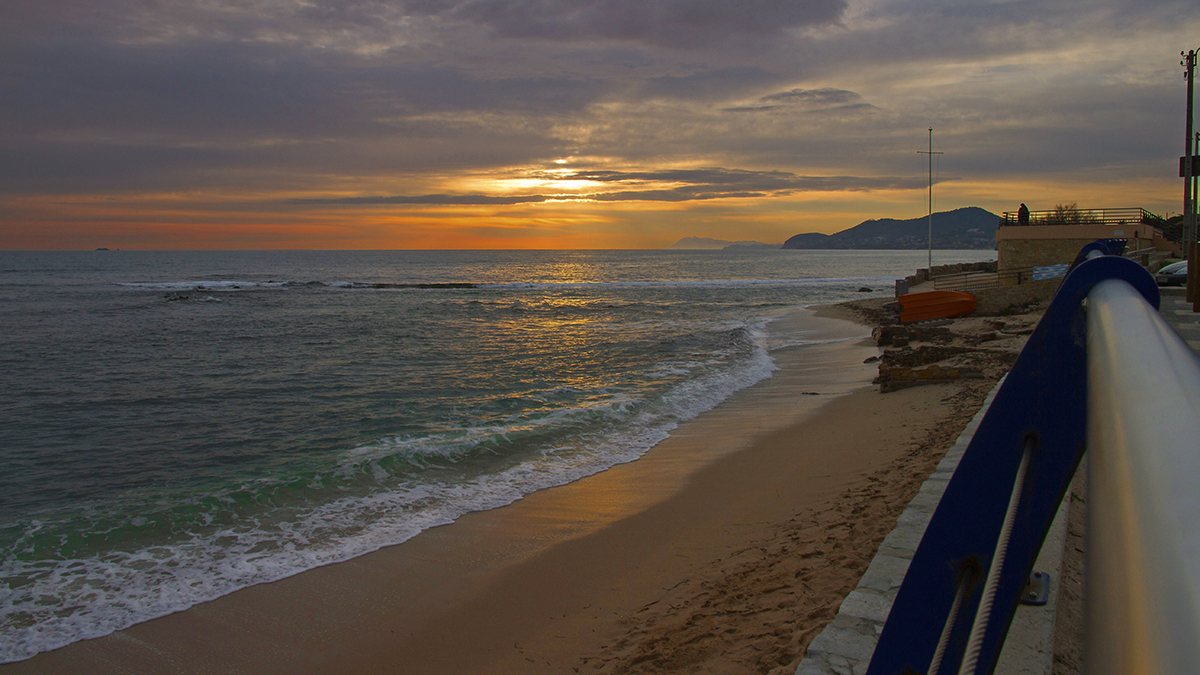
(541, 124)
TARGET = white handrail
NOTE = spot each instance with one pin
(1143, 564)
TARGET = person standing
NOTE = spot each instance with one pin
(1023, 215)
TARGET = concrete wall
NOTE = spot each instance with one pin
(1172, 247)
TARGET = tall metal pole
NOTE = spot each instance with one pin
(931, 153)
(1189, 217)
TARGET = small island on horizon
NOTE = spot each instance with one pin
(709, 244)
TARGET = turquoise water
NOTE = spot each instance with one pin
(178, 425)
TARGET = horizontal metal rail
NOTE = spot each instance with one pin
(973, 281)
(966, 281)
(1139, 252)
(1101, 372)
(1143, 439)
(1071, 216)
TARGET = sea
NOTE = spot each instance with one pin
(175, 426)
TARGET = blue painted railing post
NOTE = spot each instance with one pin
(1031, 439)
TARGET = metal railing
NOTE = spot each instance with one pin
(1143, 563)
(1130, 394)
(1140, 252)
(974, 281)
(1074, 216)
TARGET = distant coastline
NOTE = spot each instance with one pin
(968, 228)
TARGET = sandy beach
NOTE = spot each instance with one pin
(725, 549)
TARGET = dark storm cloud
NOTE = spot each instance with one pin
(756, 180)
(808, 99)
(156, 89)
(67, 167)
(86, 113)
(316, 22)
(448, 200)
(714, 84)
(825, 96)
(672, 23)
(645, 186)
(297, 95)
(247, 90)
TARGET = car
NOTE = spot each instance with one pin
(1174, 274)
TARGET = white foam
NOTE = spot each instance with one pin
(67, 600)
(202, 285)
(712, 283)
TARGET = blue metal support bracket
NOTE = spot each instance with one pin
(1042, 405)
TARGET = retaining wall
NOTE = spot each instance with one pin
(1011, 299)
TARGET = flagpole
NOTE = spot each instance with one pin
(931, 153)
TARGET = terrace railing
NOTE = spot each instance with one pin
(977, 281)
(1101, 371)
(1073, 216)
(974, 281)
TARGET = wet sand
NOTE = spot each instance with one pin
(723, 550)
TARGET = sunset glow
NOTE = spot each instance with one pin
(229, 127)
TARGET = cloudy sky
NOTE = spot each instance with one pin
(571, 123)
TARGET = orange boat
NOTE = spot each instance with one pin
(935, 305)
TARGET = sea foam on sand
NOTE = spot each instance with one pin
(614, 567)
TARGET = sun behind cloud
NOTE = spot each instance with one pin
(592, 124)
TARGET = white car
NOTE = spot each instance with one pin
(1174, 274)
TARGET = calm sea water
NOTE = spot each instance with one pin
(178, 425)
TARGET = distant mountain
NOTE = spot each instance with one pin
(704, 243)
(965, 228)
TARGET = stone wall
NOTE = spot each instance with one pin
(1016, 253)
